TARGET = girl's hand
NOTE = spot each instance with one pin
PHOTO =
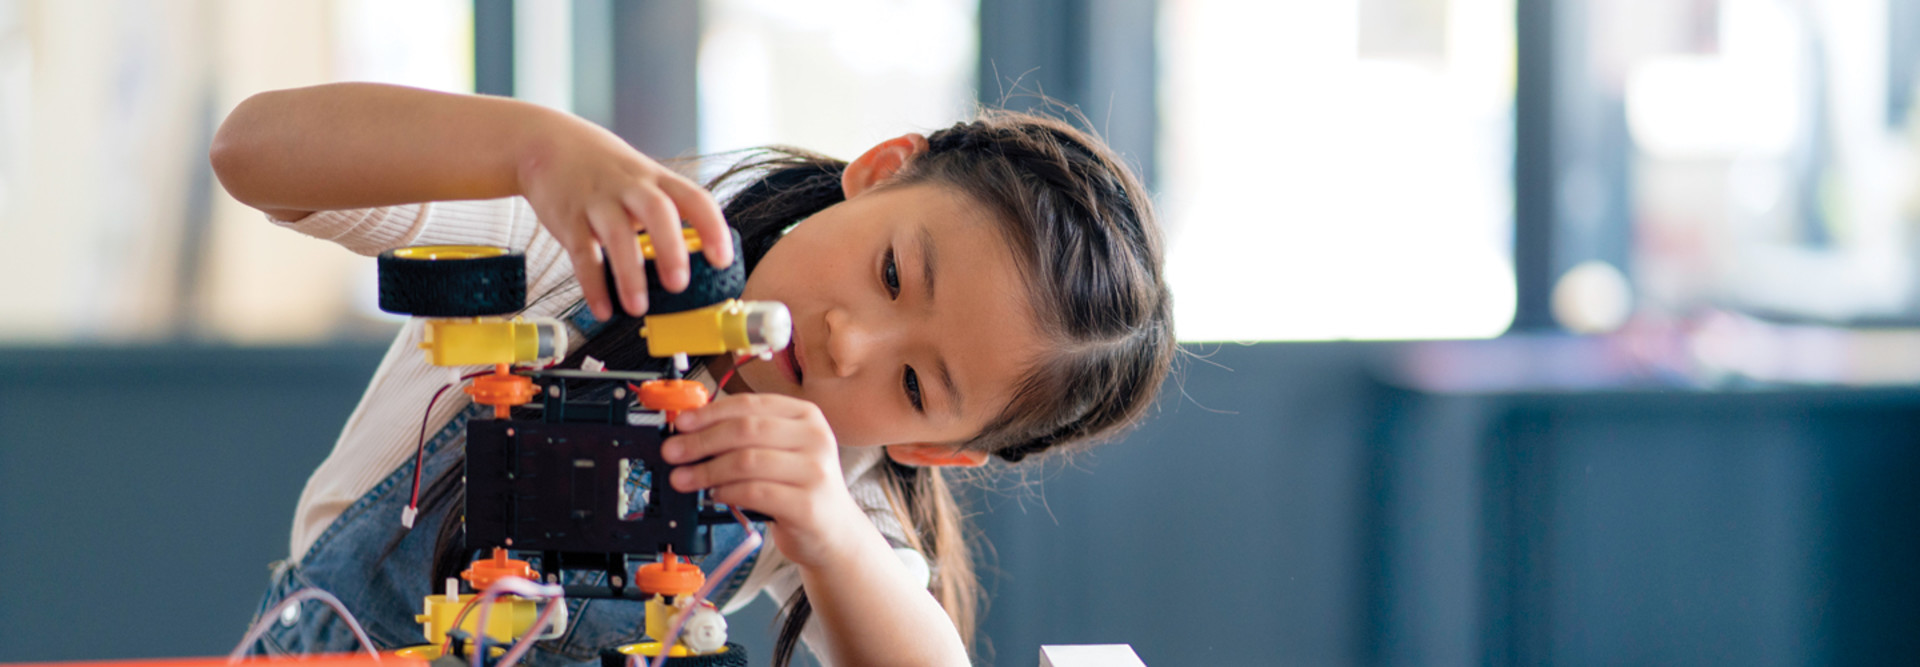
(594, 192)
(775, 455)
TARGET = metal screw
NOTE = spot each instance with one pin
(619, 392)
(553, 390)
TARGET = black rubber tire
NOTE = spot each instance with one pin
(736, 656)
(469, 287)
(705, 285)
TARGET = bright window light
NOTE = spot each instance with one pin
(1338, 169)
(837, 76)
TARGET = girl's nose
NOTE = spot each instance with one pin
(851, 342)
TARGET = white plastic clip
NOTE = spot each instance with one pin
(558, 628)
(407, 515)
(680, 362)
(592, 365)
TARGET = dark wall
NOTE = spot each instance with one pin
(1285, 505)
(1226, 531)
(143, 492)
(1291, 507)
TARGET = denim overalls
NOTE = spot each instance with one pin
(384, 596)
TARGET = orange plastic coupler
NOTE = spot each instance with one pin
(485, 571)
(672, 397)
(662, 582)
(671, 576)
(502, 390)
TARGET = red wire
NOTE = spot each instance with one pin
(722, 384)
(447, 649)
(420, 450)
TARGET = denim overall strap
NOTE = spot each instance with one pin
(384, 594)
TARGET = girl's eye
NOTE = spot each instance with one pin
(913, 390)
(890, 274)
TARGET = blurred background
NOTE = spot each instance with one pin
(1521, 331)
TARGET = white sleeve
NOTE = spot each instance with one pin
(785, 580)
(505, 222)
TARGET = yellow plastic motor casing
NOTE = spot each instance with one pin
(715, 329)
(509, 618)
(483, 341)
(729, 327)
(660, 614)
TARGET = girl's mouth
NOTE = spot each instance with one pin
(788, 360)
(793, 361)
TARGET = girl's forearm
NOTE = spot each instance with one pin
(875, 614)
(351, 145)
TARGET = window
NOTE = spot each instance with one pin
(1338, 169)
(834, 77)
(1772, 152)
(114, 229)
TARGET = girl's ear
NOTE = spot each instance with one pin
(880, 162)
(935, 456)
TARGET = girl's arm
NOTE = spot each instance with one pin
(356, 145)
(777, 455)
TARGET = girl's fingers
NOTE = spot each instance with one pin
(703, 215)
(750, 464)
(622, 249)
(770, 498)
(655, 212)
(745, 432)
(742, 405)
(585, 256)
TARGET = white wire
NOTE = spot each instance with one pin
(525, 643)
(516, 586)
(719, 574)
(273, 616)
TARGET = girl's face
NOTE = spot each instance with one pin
(911, 321)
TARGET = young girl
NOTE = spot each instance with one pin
(992, 289)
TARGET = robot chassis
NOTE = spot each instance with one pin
(556, 485)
